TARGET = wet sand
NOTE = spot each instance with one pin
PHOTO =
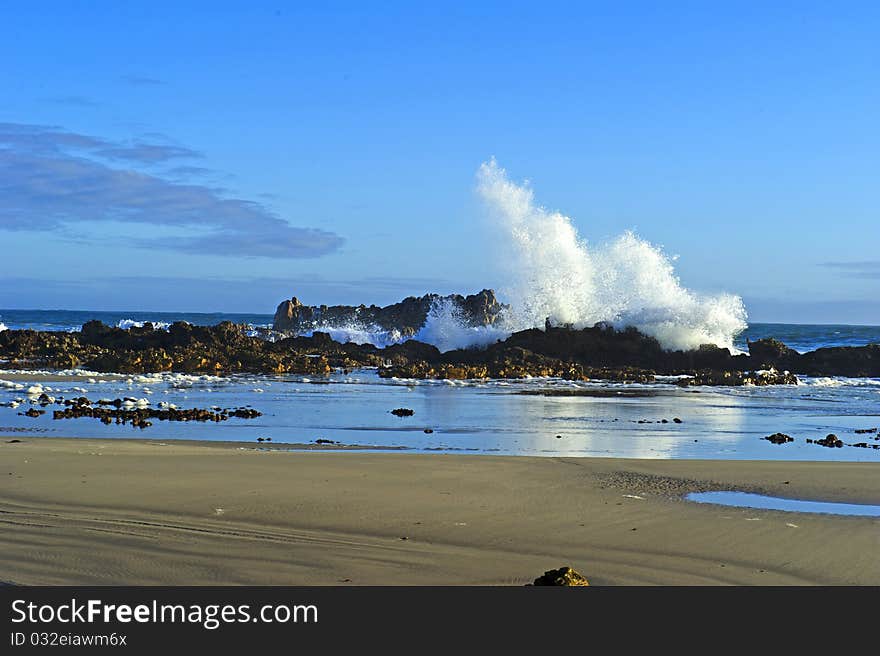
(82, 511)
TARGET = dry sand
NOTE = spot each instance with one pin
(77, 511)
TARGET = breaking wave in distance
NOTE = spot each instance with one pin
(553, 274)
(358, 334)
(125, 324)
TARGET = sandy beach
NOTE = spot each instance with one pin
(115, 512)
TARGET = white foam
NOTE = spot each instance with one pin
(175, 379)
(3, 327)
(53, 372)
(137, 403)
(552, 273)
(840, 381)
(12, 385)
(125, 324)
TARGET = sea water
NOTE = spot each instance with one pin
(547, 417)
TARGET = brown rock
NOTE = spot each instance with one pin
(562, 576)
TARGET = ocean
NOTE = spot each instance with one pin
(545, 417)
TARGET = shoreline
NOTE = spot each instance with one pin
(128, 511)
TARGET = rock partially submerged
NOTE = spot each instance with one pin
(854, 361)
(139, 417)
(778, 438)
(720, 377)
(830, 440)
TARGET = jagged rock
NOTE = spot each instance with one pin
(771, 377)
(94, 330)
(720, 377)
(410, 351)
(769, 352)
(288, 315)
(407, 317)
(854, 361)
(563, 576)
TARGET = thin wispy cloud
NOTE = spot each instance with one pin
(148, 153)
(142, 81)
(187, 172)
(856, 269)
(52, 179)
(72, 101)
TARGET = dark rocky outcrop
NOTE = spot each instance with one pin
(223, 348)
(830, 440)
(770, 352)
(855, 361)
(408, 316)
(778, 438)
(600, 352)
(721, 377)
(139, 417)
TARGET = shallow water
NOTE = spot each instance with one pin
(593, 419)
(747, 500)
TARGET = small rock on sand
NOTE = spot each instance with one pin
(563, 576)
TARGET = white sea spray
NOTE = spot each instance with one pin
(553, 274)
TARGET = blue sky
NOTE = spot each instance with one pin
(223, 156)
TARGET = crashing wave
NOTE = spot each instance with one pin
(446, 328)
(552, 274)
